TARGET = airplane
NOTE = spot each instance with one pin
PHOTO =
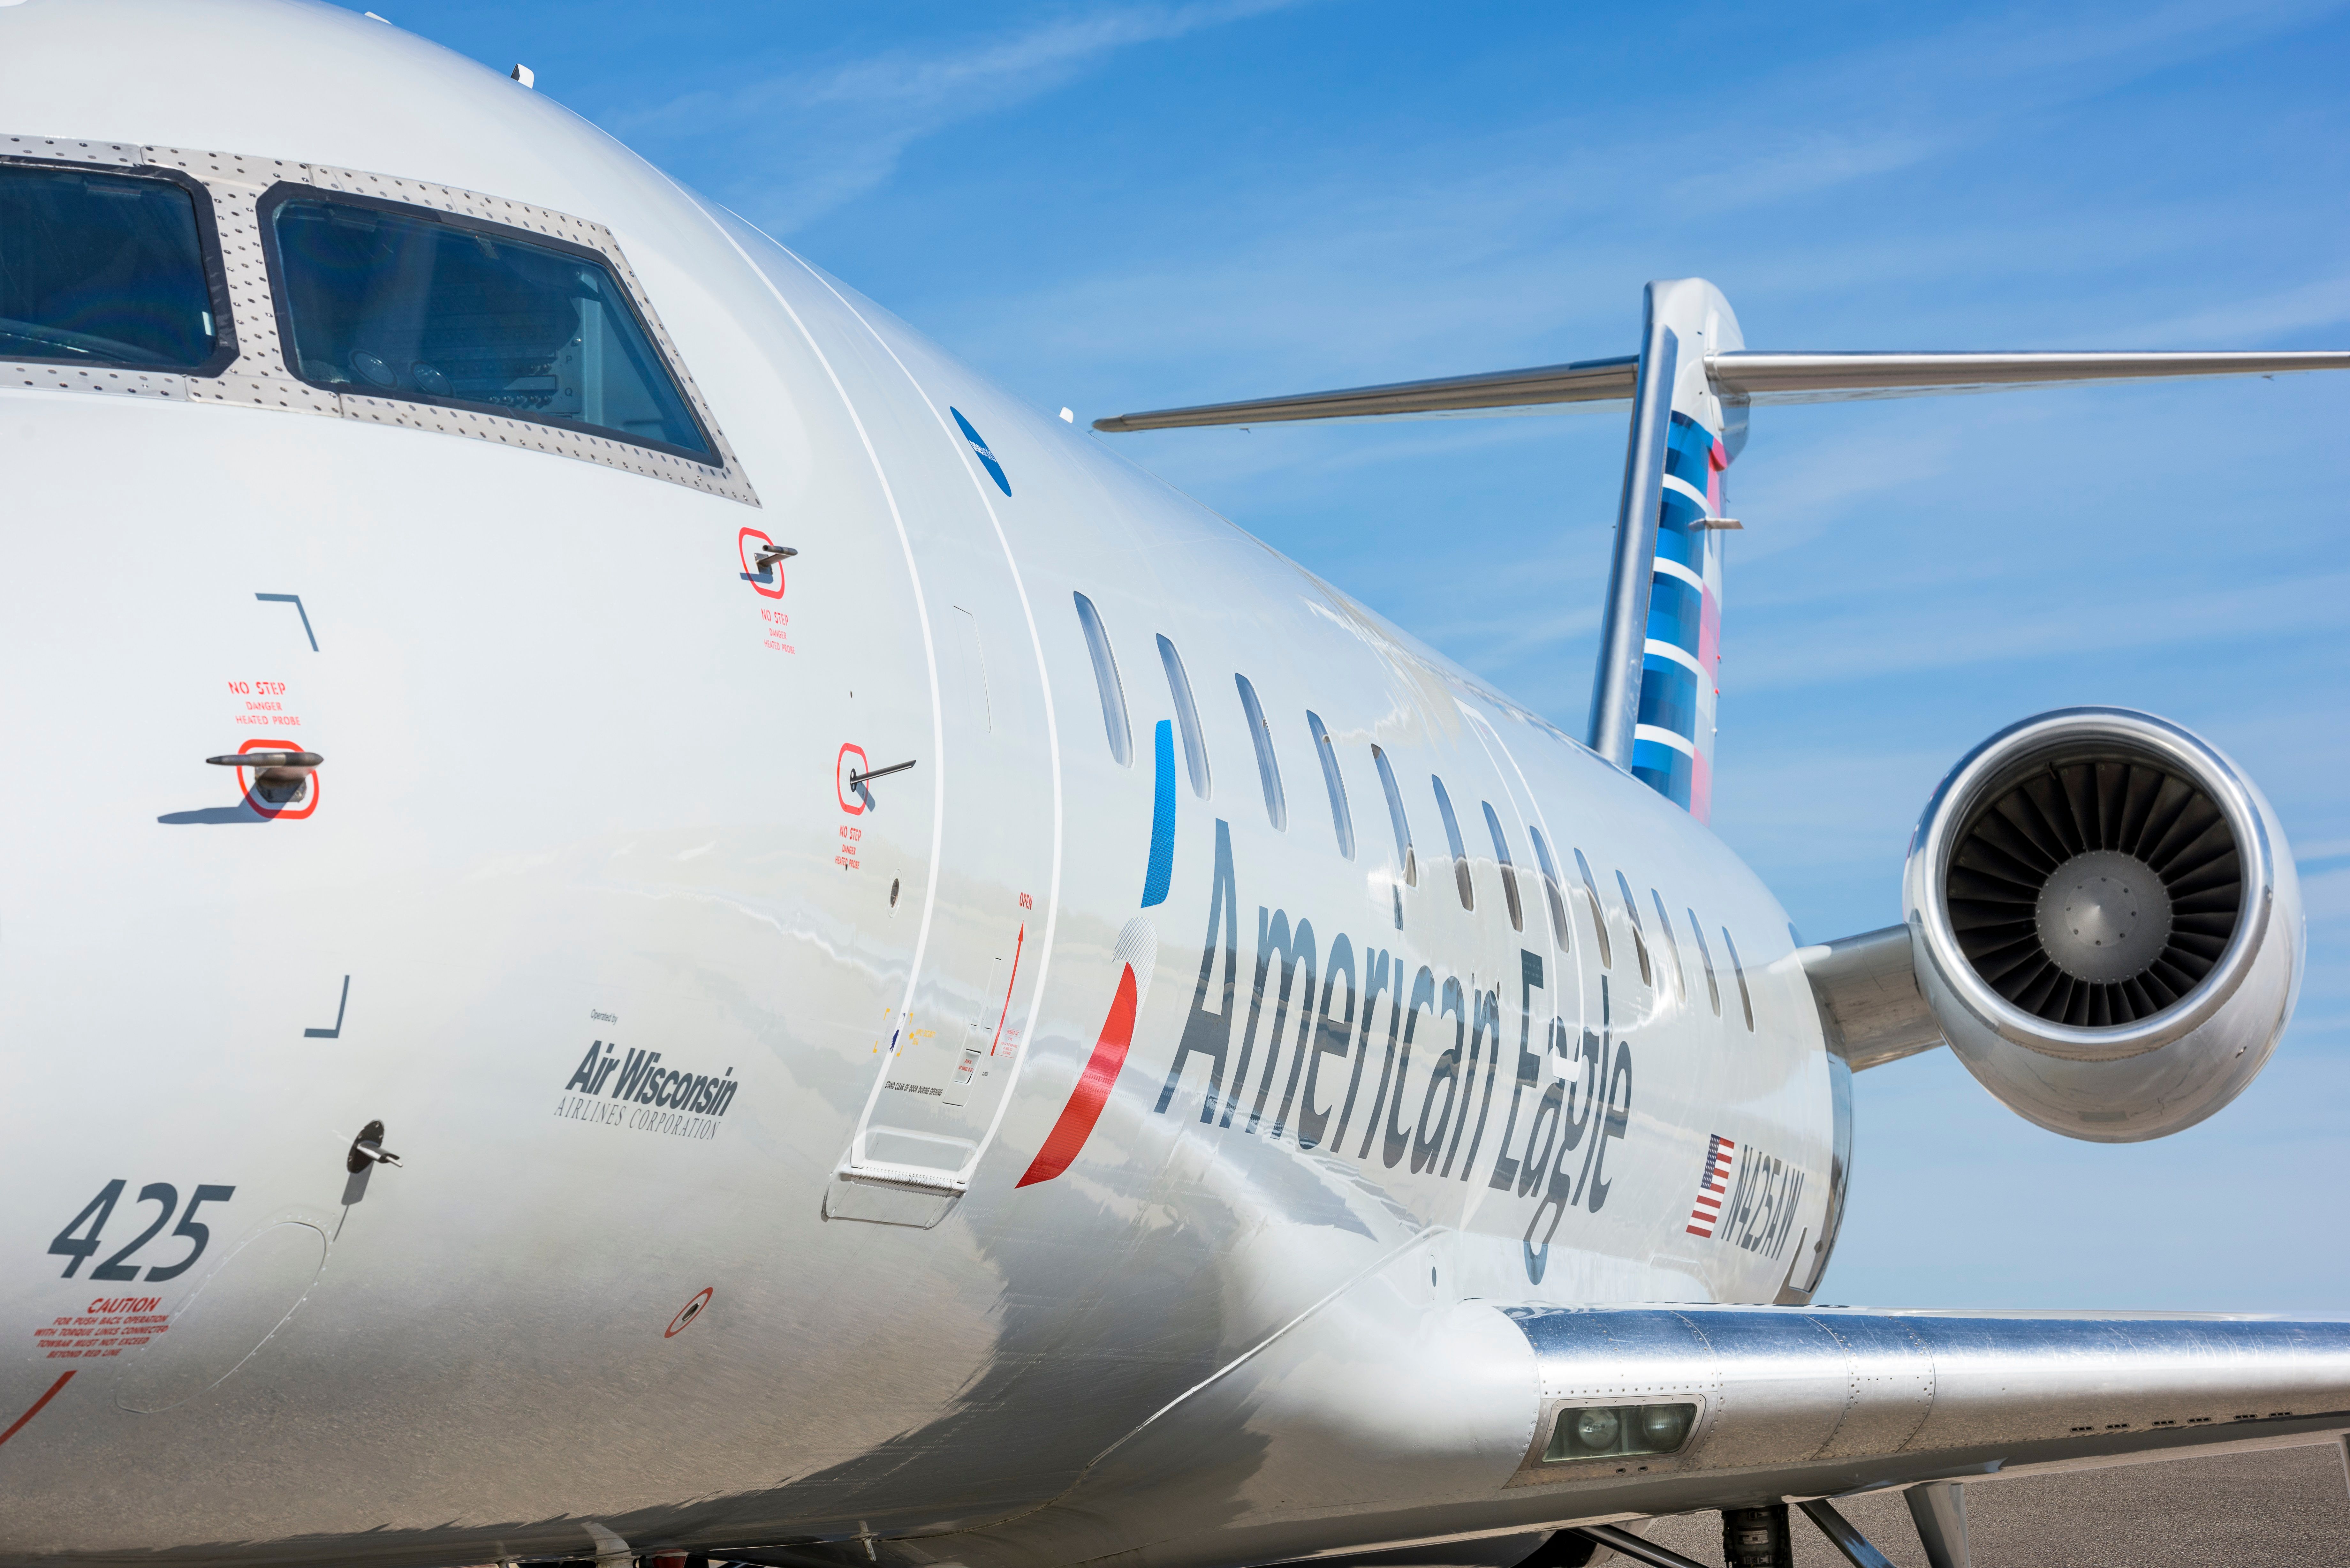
(880, 988)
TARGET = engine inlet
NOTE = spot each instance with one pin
(2105, 923)
(2095, 891)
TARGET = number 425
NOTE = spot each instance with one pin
(101, 1209)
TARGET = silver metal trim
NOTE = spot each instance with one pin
(260, 377)
(1866, 988)
(66, 150)
(1820, 1401)
(1766, 377)
(2071, 730)
(1738, 375)
(1624, 623)
(1823, 1248)
(904, 1179)
(1581, 382)
(726, 479)
(46, 378)
(1616, 1538)
(1939, 1509)
(1858, 1549)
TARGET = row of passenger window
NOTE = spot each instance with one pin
(376, 298)
(1112, 690)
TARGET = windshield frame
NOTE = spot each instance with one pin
(715, 456)
(208, 246)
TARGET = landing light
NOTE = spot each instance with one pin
(1602, 1431)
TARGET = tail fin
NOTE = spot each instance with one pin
(1680, 663)
(1653, 701)
(1658, 680)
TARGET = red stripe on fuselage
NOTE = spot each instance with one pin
(1092, 1093)
(37, 1405)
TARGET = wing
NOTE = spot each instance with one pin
(1371, 1427)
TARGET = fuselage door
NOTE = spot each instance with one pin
(951, 1057)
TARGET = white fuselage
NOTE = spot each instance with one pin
(585, 782)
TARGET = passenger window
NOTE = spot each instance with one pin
(1187, 718)
(1672, 944)
(1452, 838)
(1558, 923)
(1277, 805)
(1113, 693)
(386, 301)
(103, 269)
(1745, 999)
(1395, 817)
(1508, 872)
(1340, 817)
(1712, 986)
(1640, 938)
(1599, 915)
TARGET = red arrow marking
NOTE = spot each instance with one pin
(1020, 942)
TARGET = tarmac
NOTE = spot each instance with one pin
(2279, 1506)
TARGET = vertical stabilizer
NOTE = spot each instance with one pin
(1654, 695)
(1653, 701)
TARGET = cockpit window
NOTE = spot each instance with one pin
(101, 268)
(384, 301)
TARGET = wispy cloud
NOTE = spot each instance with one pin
(1490, 246)
(2324, 303)
(1911, 635)
(820, 138)
(1788, 165)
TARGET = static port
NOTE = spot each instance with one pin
(281, 786)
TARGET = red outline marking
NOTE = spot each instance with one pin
(677, 1325)
(1085, 1107)
(751, 577)
(37, 1405)
(268, 814)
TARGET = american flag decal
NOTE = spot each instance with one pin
(1711, 1182)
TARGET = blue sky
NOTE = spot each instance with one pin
(1124, 206)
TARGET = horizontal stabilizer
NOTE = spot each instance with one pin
(1747, 375)
(1833, 378)
(1584, 381)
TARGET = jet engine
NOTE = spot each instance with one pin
(2105, 922)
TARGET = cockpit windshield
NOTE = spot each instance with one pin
(403, 302)
(101, 268)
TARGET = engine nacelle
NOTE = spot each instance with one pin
(2105, 922)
